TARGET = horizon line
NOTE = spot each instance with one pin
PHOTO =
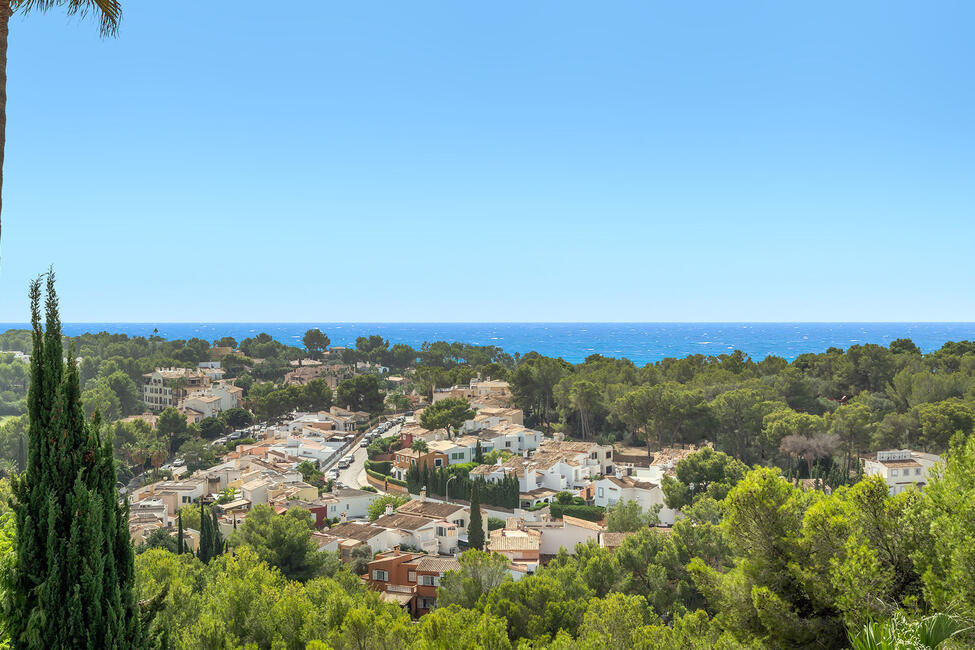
(608, 322)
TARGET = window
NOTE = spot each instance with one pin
(507, 444)
(441, 531)
(411, 576)
(594, 455)
(609, 454)
(458, 522)
(893, 472)
(917, 471)
(428, 581)
(600, 490)
(379, 574)
(438, 462)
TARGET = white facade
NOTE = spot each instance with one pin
(354, 504)
(901, 468)
(612, 490)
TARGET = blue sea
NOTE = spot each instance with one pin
(640, 342)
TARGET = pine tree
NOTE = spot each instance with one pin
(475, 529)
(72, 585)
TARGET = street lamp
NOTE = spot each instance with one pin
(446, 488)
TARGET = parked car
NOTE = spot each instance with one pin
(179, 462)
(344, 463)
(365, 442)
(332, 474)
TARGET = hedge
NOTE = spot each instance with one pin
(589, 513)
(381, 466)
(383, 477)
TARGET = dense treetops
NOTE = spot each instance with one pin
(767, 566)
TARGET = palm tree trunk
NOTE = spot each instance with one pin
(5, 13)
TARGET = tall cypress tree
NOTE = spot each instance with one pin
(211, 541)
(72, 585)
(475, 530)
(180, 544)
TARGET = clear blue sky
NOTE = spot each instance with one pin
(495, 161)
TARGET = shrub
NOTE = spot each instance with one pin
(382, 466)
(495, 523)
(589, 513)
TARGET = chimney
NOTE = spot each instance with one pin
(343, 517)
(389, 508)
(423, 494)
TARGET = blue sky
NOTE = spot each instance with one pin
(502, 161)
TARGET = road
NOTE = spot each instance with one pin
(355, 475)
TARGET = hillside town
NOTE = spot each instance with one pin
(415, 536)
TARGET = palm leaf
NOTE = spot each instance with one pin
(109, 12)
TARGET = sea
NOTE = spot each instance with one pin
(642, 343)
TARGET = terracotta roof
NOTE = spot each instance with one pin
(613, 540)
(436, 563)
(630, 482)
(396, 597)
(582, 523)
(360, 532)
(429, 509)
(402, 521)
(515, 540)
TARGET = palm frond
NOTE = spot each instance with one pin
(108, 12)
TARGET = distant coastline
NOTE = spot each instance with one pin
(640, 342)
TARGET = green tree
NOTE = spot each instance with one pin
(310, 474)
(315, 342)
(211, 541)
(130, 400)
(454, 627)
(626, 516)
(72, 585)
(285, 541)
(706, 472)
(479, 573)
(361, 393)
(237, 418)
(616, 621)
(198, 454)
(946, 559)
(171, 426)
(420, 446)
(212, 428)
(378, 507)
(361, 556)
(159, 538)
(475, 528)
(449, 414)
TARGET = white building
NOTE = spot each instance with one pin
(353, 504)
(901, 468)
(611, 490)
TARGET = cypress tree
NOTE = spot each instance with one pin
(478, 453)
(211, 542)
(475, 530)
(72, 584)
(180, 544)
